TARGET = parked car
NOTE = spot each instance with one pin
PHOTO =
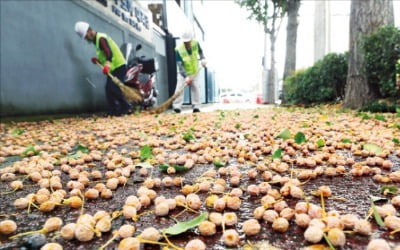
(278, 101)
(234, 97)
(259, 99)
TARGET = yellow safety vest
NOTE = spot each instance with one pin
(190, 63)
(118, 58)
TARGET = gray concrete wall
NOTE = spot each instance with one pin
(45, 67)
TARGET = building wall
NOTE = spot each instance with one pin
(45, 67)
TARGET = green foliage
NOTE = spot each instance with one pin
(259, 9)
(380, 117)
(378, 106)
(380, 60)
(17, 132)
(146, 152)
(320, 142)
(30, 148)
(277, 154)
(218, 163)
(389, 189)
(377, 217)
(299, 138)
(323, 82)
(188, 135)
(77, 151)
(181, 227)
(284, 134)
(164, 167)
(372, 148)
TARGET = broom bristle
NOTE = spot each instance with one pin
(131, 94)
(164, 106)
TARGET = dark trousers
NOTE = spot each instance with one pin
(116, 100)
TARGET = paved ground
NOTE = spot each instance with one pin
(223, 106)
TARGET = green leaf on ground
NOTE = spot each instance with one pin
(285, 134)
(372, 148)
(365, 116)
(299, 138)
(146, 153)
(346, 140)
(377, 217)
(28, 149)
(388, 189)
(320, 143)
(380, 117)
(178, 168)
(17, 132)
(277, 154)
(188, 135)
(81, 148)
(181, 227)
(218, 163)
(77, 151)
(331, 247)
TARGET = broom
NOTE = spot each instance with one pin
(164, 106)
(131, 94)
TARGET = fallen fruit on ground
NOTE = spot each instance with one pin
(287, 178)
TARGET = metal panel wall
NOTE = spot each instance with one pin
(45, 67)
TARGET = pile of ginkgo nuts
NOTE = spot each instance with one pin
(289, 178)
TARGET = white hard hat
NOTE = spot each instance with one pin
(187, 35)
(81, 28)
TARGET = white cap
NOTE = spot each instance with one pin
(81, 28)
(187, 35)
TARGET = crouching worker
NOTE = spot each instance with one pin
(113, 61)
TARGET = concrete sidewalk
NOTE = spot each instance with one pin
(210, 107)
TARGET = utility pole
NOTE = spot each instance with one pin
(169, 51)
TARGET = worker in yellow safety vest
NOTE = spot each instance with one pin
(187, 58)
(110, 56)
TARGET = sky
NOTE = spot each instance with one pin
(234, 44)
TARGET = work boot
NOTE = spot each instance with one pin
(196, 110)
(177, 110)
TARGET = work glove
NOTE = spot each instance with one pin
(188, 80)
(204, 63)
(95, 60)
(106, 69)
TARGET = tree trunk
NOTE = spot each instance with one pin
(271, 75)
(365, 17)
(291, 37)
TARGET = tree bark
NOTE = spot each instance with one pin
(291, 37)
(271, 74)
(365, 17)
